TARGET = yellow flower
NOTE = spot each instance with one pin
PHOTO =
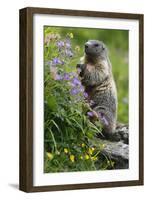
(91, 150)
(83, 145)
(94, 158)
(66, 150)
(81, 157)
(72, 158)
(71, 35)
(49, 155)
(87, 157)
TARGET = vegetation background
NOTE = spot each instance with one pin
(67, 151)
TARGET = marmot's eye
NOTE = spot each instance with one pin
(96, 45)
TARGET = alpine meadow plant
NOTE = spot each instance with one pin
(68, 130)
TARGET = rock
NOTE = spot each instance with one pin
(116, 147)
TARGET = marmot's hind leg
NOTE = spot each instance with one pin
(121, 133)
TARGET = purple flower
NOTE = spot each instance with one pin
(58, 77)
(85, 94)
(81, 88)
(68, 53)
(90, 114)
(66, 76)
(74, 91)
(60, 44)
(103, 118)
(68, 45)
(57, 61)
(76, 82)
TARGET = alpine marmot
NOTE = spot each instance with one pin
(97, 78)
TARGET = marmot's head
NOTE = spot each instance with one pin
(94, 48)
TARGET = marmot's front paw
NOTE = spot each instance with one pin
(80, 69)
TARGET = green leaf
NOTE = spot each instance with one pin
(51, 101)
